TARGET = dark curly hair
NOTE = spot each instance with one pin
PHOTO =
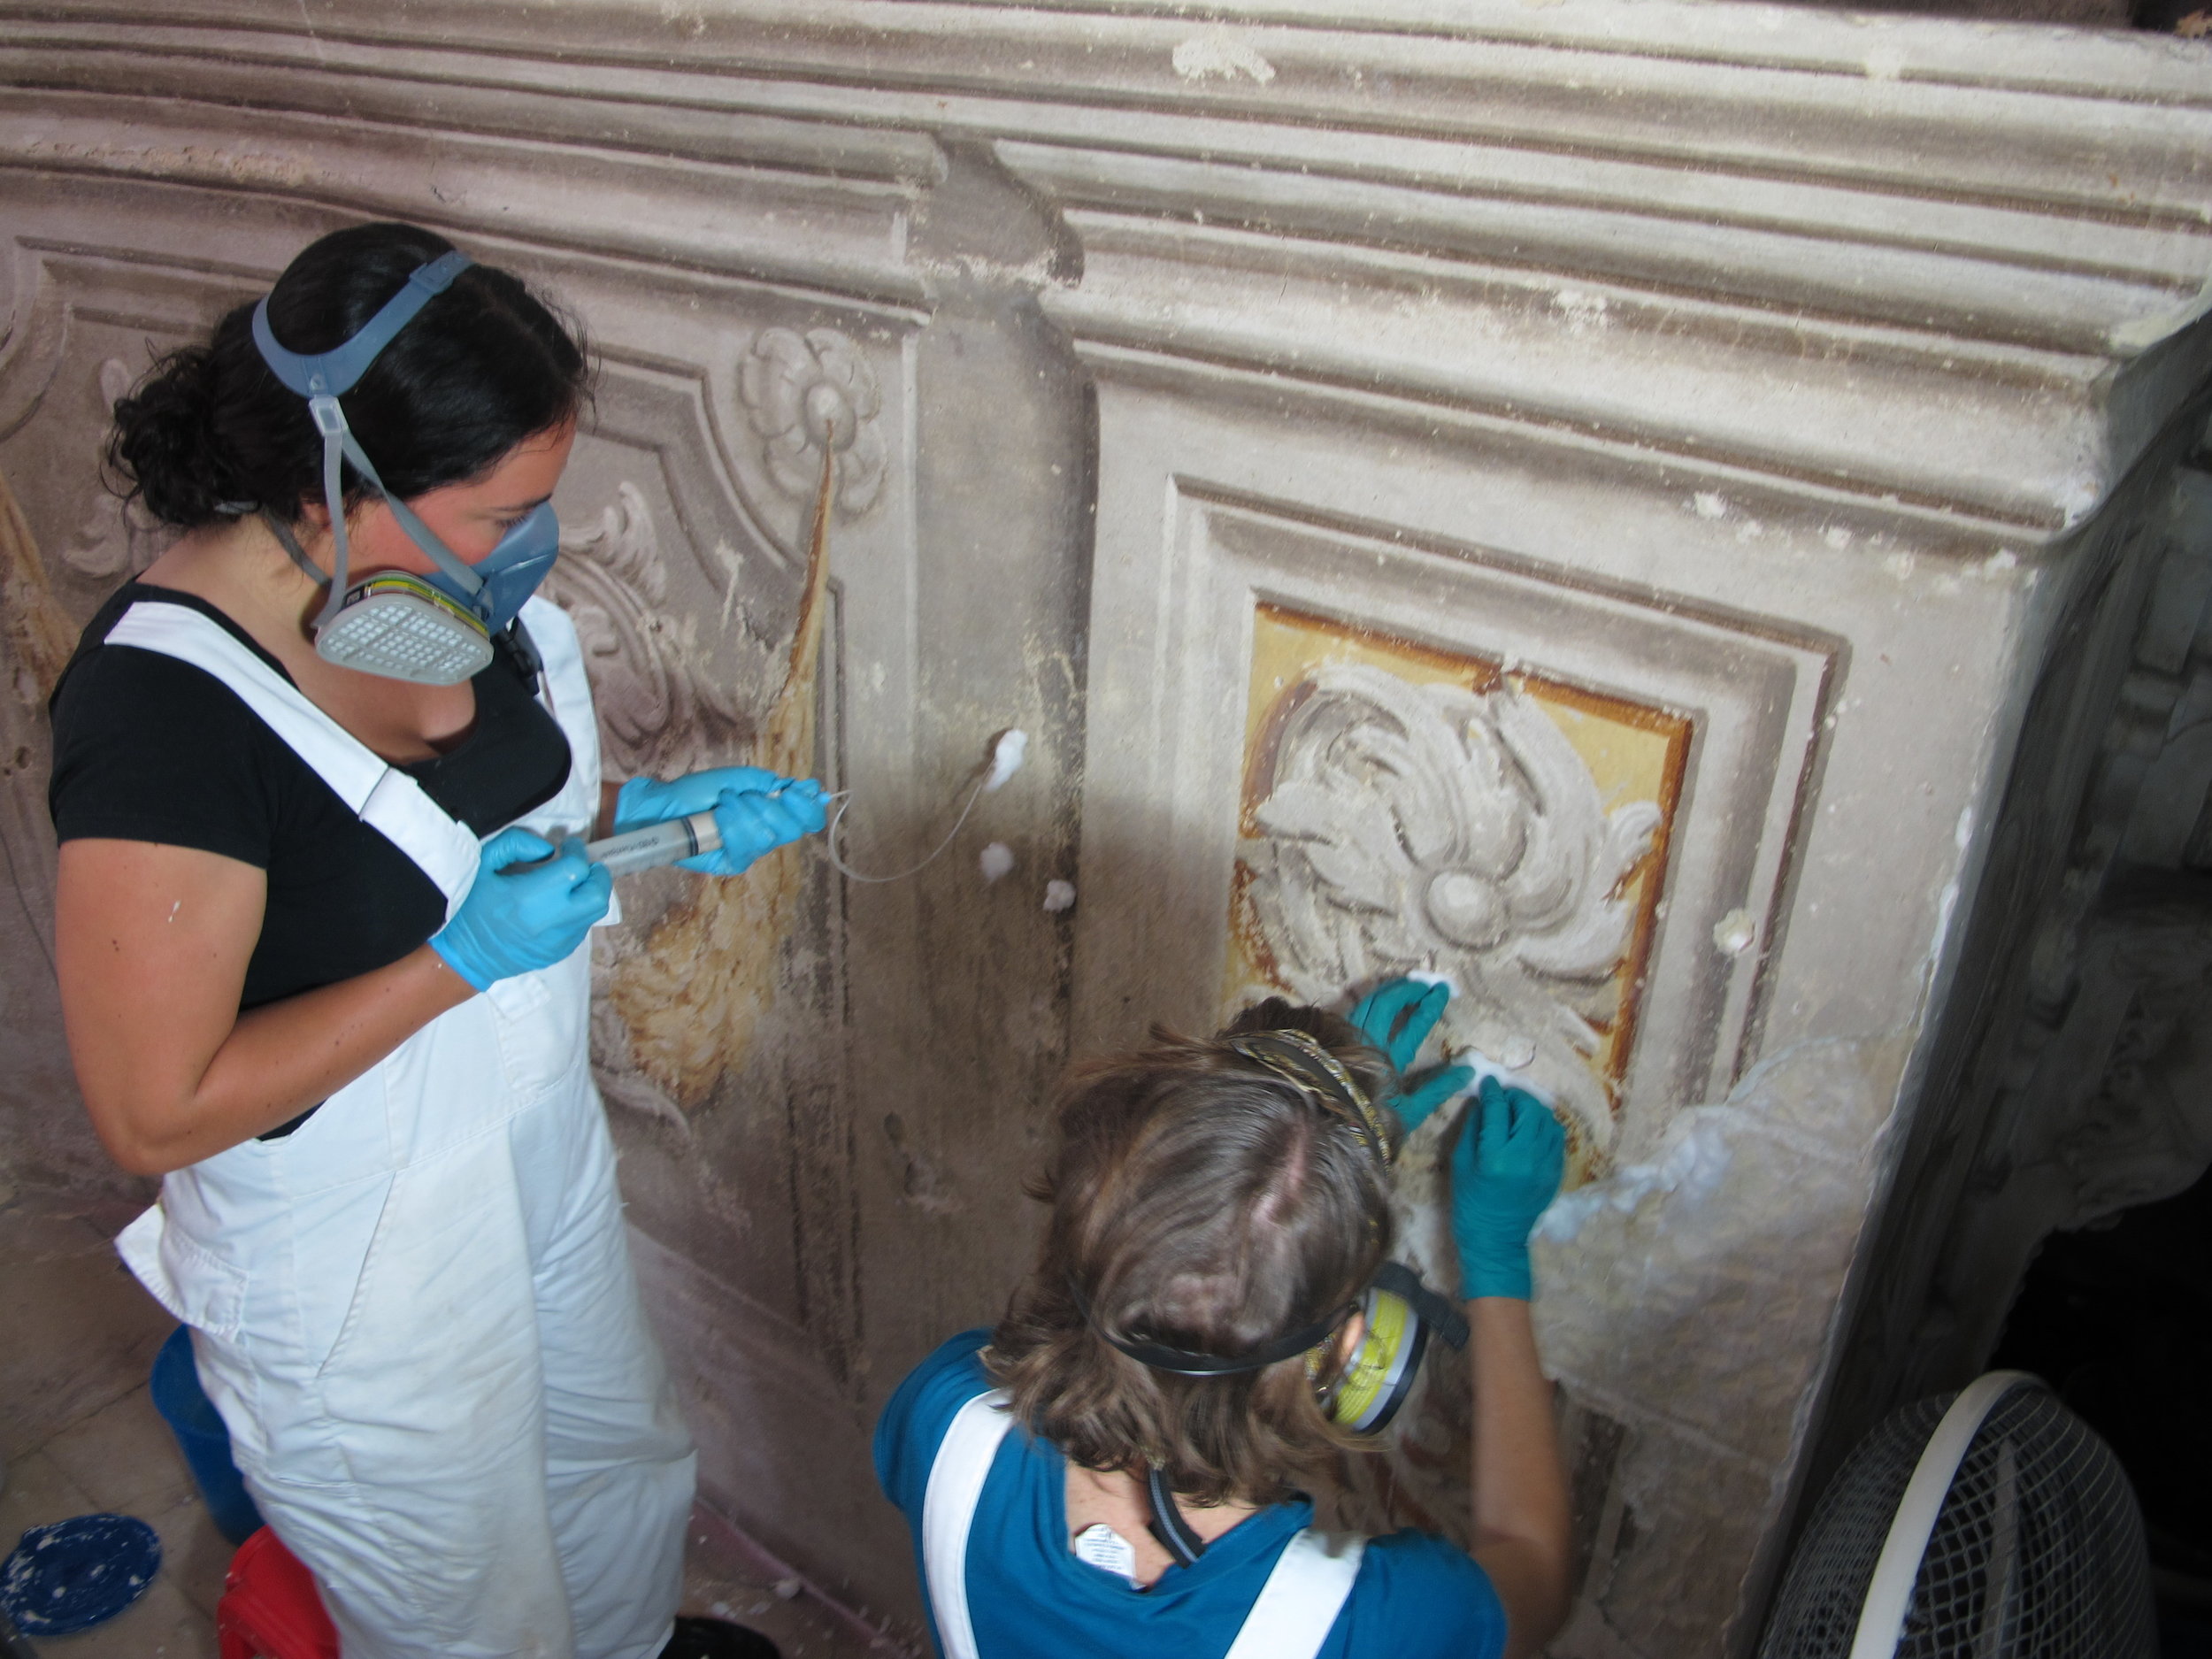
(210, 433)
(1201, 1200)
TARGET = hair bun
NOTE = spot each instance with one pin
(164, 442)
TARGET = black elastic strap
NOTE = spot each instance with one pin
(1446, 1320)
(1183, 1361)
(1175, 1533)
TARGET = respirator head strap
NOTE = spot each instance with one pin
(1177, 1535)
(323, 377)
(1183, 1361)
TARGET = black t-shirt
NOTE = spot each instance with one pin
(149, 748)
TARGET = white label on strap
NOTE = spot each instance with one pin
(956, 1486)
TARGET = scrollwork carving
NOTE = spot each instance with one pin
(1430, 826)
(661, 709)
(106, 543)
(804, 392)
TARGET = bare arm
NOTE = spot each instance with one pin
(1520, 1491)
(152, 944)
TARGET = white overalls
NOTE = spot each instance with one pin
(1291, 1617)
(417, 1312)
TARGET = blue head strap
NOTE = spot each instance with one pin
(322, 378)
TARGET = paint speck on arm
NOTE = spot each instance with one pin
(173, 909)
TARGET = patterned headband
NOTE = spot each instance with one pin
(1320, 1076)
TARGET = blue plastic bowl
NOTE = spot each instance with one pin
(78, 1573)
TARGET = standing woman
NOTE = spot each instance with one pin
(347, 1030)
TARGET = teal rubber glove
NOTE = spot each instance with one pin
(756, 810)
(1397, 1017)
(516, 921)
(1505, 1173)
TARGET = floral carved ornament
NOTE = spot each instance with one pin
(1409, 827)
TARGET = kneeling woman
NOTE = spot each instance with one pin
(1181, 1362)
(351, 1039)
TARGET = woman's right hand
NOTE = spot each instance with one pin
(1505, 1173)
(515, 920)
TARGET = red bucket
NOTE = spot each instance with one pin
(270, 1607)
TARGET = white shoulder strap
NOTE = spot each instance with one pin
(387, 800)
(956, 1486)
(1298, 1605)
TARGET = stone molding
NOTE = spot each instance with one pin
(1963, 258)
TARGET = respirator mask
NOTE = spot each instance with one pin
(434, 630)
(1401, 1313)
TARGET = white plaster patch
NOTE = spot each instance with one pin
(1695, 1156)
(1898, 564)
(1584, 310)
(1707, 504)
(1217, 51)
(2003, 559)
(1885, 63)
(1059, 896)
(1837, 537)
(1736, 931)
(995, 860)
(2079, 498)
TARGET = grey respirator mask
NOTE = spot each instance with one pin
(434, 630)
(1400, 1312)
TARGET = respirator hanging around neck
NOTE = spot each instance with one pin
(434, 630)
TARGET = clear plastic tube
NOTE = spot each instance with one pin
(656, 844)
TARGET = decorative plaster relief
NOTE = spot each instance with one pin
(661, 710)
(1396, 823)
(803, 393)
(693, 997)
(106, 544)
(1656, 803)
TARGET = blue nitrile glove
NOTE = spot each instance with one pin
(644, 801)
(1505, 1173)
(756, 821)
(774, 810)
(515, 921)
(1397, 1017)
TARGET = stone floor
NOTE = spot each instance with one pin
(78, 1433)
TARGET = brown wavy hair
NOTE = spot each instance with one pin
(1201, 1201)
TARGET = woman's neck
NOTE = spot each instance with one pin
(243, 570)
(1119, 1500)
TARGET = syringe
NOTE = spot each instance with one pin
(656, 844)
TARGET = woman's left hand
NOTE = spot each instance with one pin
(755, 811)
(644, 801)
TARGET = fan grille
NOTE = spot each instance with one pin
(2037, 1552)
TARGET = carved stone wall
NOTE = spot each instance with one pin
(1646, 508)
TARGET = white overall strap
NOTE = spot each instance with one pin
(1298, 1605)
(956, 1486)
(387, 800)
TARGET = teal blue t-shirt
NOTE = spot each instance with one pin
(1417, 1596)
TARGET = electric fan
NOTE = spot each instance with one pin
(1991, 1524)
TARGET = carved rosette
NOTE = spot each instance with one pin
(803, 392)
(1430, 826)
